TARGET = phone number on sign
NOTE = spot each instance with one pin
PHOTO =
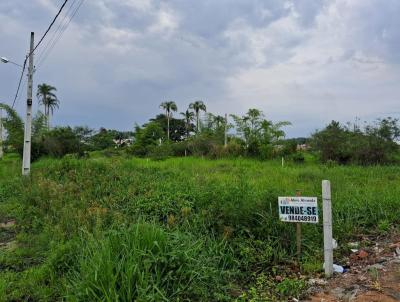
(302, 218)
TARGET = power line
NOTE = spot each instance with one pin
(48, 29)
(19, 83)
(59, 27)
(37, 45)
(56, 37)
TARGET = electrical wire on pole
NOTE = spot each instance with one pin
(55, 32)
(31, 52)
(48, 29)
(19, 84)
(26, 158)
(58, 33)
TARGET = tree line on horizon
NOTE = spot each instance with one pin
(192, 134)
(201, 133)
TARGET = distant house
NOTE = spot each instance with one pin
(122, 142)
(302, 147)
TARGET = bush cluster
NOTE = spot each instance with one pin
(375, 144)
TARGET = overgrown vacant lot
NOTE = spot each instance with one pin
(188, 229)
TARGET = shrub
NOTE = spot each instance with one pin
(297, 158)
(200, 145)
(373, 145)
(180, 148)
(289, 147)
(103, 139)
(59, 142)
(234, 149)
(266, 151)
(161, 152)
(137, 150)
(216, 151)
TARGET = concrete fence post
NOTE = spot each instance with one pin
(327, 224)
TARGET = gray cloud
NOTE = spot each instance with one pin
(306, 61)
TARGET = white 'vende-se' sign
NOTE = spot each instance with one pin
(298, 209)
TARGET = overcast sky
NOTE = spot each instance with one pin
(306, 61)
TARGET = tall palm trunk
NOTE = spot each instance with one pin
(46, 111)
(47, 114)
(48, 119)
(197, 121)
(167, 113)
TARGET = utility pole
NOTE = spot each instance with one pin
(26, 160)
(226, 131)
(1, 133)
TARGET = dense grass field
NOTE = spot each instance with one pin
(182, 229)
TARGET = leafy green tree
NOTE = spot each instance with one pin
(149, 134)
(273, 133)
(146, 137)
(47, 98)
(169, 107)
(39, 125)
(188, 117)
(219, 121)
(259, 134)
(60, 141)
(214, 122)
(387, 129)
(177, 127)
(198, 106)
(331, 143)
(104, 139)
(14, 126)
(215, 127)
(84, 133)
(375, 144)
(249, 127)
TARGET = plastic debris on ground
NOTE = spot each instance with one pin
(334, 244)
(353, 245)
(337, 268)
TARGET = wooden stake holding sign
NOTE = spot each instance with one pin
(305, 210)
(299, 210)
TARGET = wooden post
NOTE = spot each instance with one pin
(298, 232)
(283, 161)
(327, 224)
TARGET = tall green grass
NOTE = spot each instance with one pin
(146, 263)
(183, 229)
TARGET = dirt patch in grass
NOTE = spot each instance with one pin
(7, 234)
(373, 277)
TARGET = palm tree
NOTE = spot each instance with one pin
(46, 96)
(218, 120)
(197, 106)
(168, 107)
(188, 118)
